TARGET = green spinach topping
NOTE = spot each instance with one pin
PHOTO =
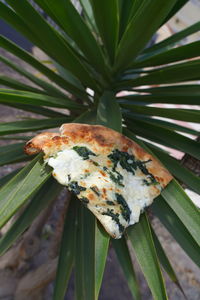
(74, 187)
(110, 202)
(130, 164)
(126, 160)
(83, 152)
(126, 212)
(115, 176)
(115, 217)
(95, 190)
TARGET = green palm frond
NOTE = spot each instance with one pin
(95, 54)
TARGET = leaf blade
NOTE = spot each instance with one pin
(134, 40)
(31, 125)
(21, 187)
(66, 253)
(107, 19)
(187, 212)
(172, 40)
(142, 243)
(177, 229)
(173, 55)
(165, 261)
(108, 104)
(23, 97)
(44, 196)
(31, 60)
(165, 137)
(12, 153)
(124, 258)
(65, 14)
(34, 23)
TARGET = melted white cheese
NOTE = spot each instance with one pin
(69, 166)
(136, 193)
(67, 162)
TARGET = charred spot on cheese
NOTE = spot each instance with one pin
(74, 187)
(84, 152)
(115, 218)
(125, 210)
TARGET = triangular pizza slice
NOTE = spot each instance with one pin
(112, 175)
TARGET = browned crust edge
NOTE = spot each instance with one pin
(100, 138)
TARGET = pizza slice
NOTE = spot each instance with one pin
(112, 175)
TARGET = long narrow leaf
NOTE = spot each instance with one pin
(108, 104)
(38, 110)
(181, 90)
(177, 229)
(188, 94)
(161, 123)
(21, 187)
(101, 249)
(12, 153)
(173, 55)
(184, 208)
(65, 14)
(85, 263)
(134, 40)
(142, 242)
(124, 258)
(188, 115)
(43, 197)
(165, 261)
(6, 178)
(165, 137)
(107, 19)
(30, 125)
(125, 14)
(67, 249)
(88, 14)
(45, 36)
(12, 96)
(172, 40)
(16, 84)
(188, 71)
(49, 88)
(28, 58)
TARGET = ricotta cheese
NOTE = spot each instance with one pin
(116, 187)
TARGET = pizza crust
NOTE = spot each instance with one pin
(101, 140)
(111, 174)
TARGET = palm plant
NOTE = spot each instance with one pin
(98, 53)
